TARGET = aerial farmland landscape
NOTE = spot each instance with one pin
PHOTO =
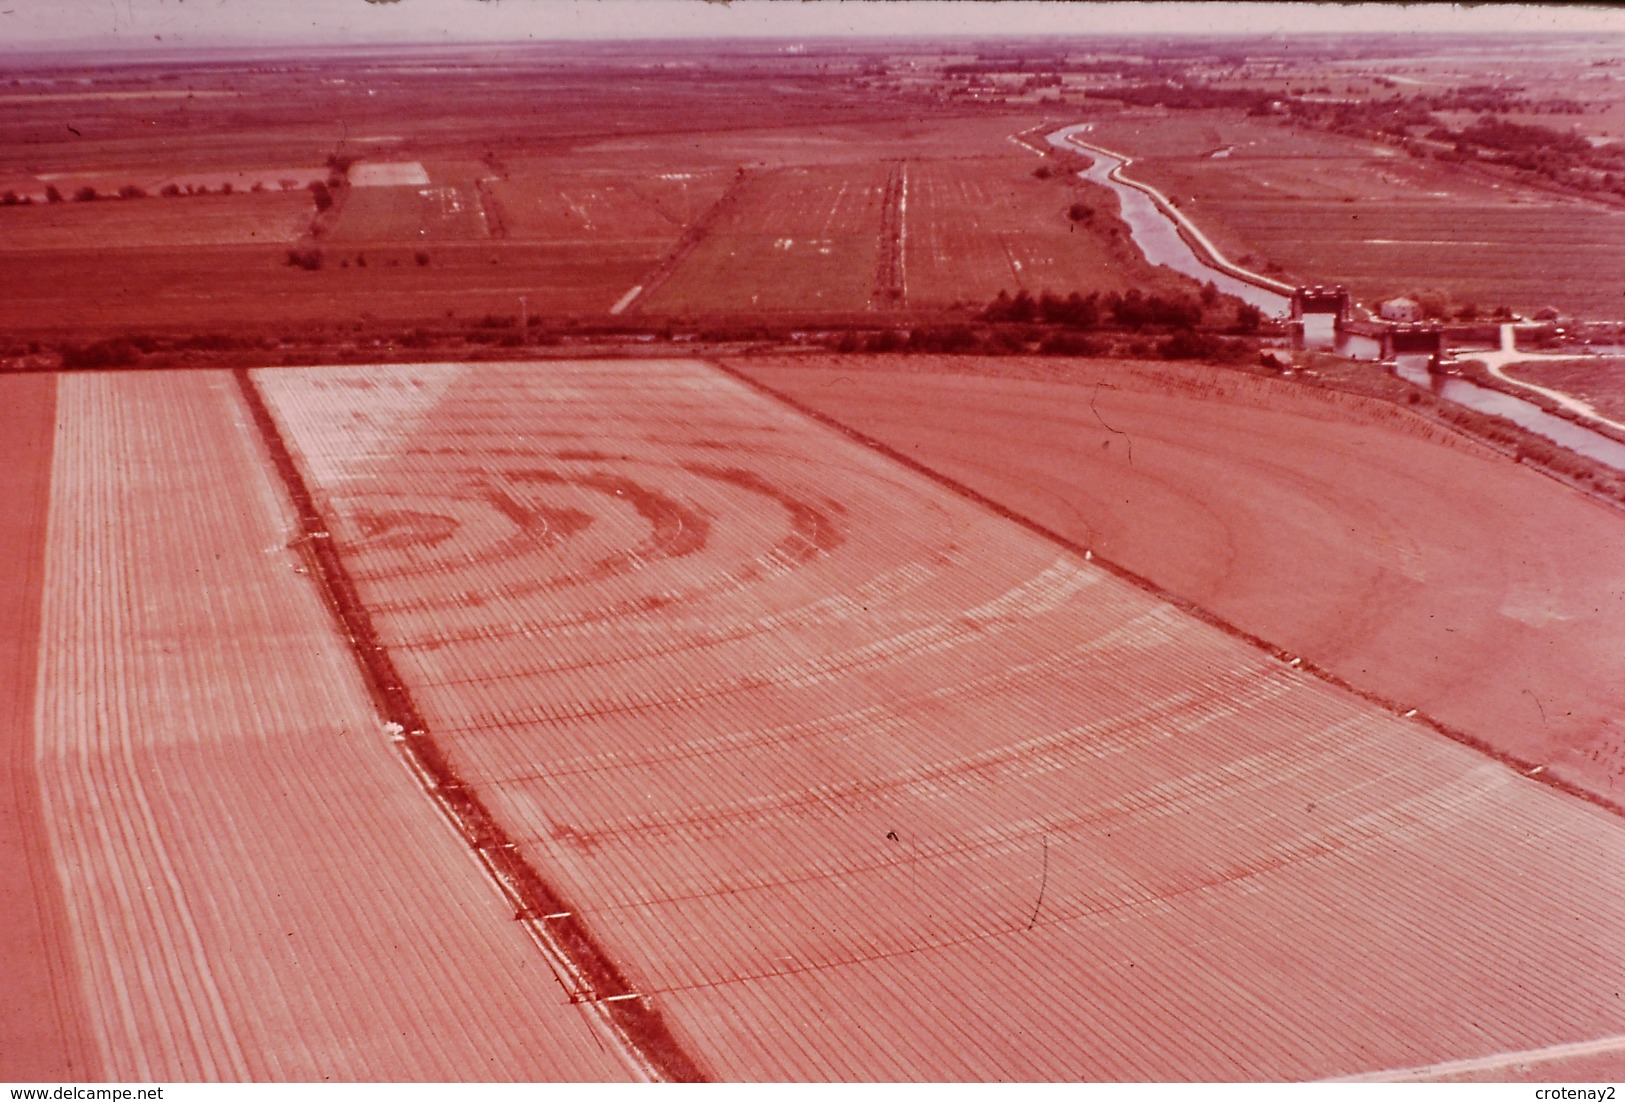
(812, 543)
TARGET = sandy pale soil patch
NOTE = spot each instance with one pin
(389, 174)
(1599, 380)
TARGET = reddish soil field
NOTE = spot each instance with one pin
(1434, 573)
(815, 747)
(804, 238)
(43, 1025)
(571, 178)
(256, 886)
(583, 202)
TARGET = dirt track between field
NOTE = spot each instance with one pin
(1401, 558)
(254, 888)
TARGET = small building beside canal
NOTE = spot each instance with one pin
(1400, 309)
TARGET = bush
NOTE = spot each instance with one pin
(422, 258)
(52, 195)
(1069, 344)
(86, 194)
(113, 352)
(130, 191)
(308, 259)
(322, 195)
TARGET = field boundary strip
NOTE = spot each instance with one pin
(1530, 770)
(591, 977)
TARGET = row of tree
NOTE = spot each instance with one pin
(1132, 310)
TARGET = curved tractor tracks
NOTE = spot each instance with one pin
(589, 976)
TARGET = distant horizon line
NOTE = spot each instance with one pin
(136, 48)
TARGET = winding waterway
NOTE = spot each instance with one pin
(1576, 438)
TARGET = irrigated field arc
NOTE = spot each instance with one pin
(927, 747)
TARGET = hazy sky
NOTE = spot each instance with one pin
(134, 24)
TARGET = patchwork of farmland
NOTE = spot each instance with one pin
(249, 882)
(1346, 531)
(234, 288)
(816, 747)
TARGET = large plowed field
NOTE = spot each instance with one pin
(253, 885)
(805, 238)
(1400, 556)
(856, 778)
